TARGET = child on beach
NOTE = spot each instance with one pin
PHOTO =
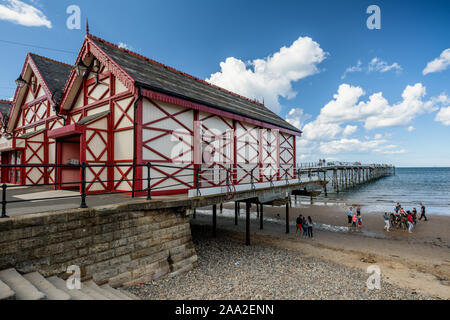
(354, 219)
(310, 227)
(358, 216)
(387, 222)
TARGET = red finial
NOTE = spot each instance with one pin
(87, 26)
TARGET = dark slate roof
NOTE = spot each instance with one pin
(55, 74)
(158, 77)
(4, 107)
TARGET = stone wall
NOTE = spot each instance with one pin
(125, 244)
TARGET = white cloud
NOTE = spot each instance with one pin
(272, 77)
(375, 65)
(316, 130)
(376, 112)
(297, 117)
(378, 65)
(411, 128)
(125, 46)
(24, 14)
(349, 145)
(330, 132)
(356, 68)
(349, 130)
(444, 116)
(438, 64)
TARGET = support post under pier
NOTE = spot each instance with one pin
(261, 217)
(287, 217)
(247, 223)
(214, 220)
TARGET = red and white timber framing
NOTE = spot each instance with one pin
(30, 117)
(118, 123)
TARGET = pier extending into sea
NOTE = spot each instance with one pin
(345, 175)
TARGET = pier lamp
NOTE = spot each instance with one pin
(21, 82)
(81, 68)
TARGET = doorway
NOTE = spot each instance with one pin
(14, 175)
(69, 153)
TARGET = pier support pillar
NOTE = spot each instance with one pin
(214, 216)
(236, 212)
(261, 217)
(221, 208)
(247, 223)
(287, 218)
(325, 183)
(195, 214)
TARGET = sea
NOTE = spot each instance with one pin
(409, 187)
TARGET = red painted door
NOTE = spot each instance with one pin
(14, 173)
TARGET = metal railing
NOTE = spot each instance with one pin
(319, 164)
(201, 178)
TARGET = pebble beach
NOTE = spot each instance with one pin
(227, 269)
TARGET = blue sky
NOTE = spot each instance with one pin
(293, 54)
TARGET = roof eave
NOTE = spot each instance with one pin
(166, 92)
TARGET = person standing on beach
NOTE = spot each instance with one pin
(305, 227)
(387, 222)
(299, 225)
(349, 216)
(354, 219)
(422, 212)
(410, 222)
(310, 227)
(358, 216)
(414, 215)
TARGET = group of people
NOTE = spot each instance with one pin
(305, 224)
(407, 218)
(354, 218)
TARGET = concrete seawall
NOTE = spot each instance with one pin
(123, 244)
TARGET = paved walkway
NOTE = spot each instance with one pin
(26, 200)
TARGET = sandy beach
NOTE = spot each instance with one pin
(413, 266)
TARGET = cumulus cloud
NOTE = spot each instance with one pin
(349, 130)
(349, 145)
(411, 128)
(329, 133)
(297, 117)
(438, 64)
(444, 116)
(272, 77)
(376, 112)
(24, 14)
(316, 130)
